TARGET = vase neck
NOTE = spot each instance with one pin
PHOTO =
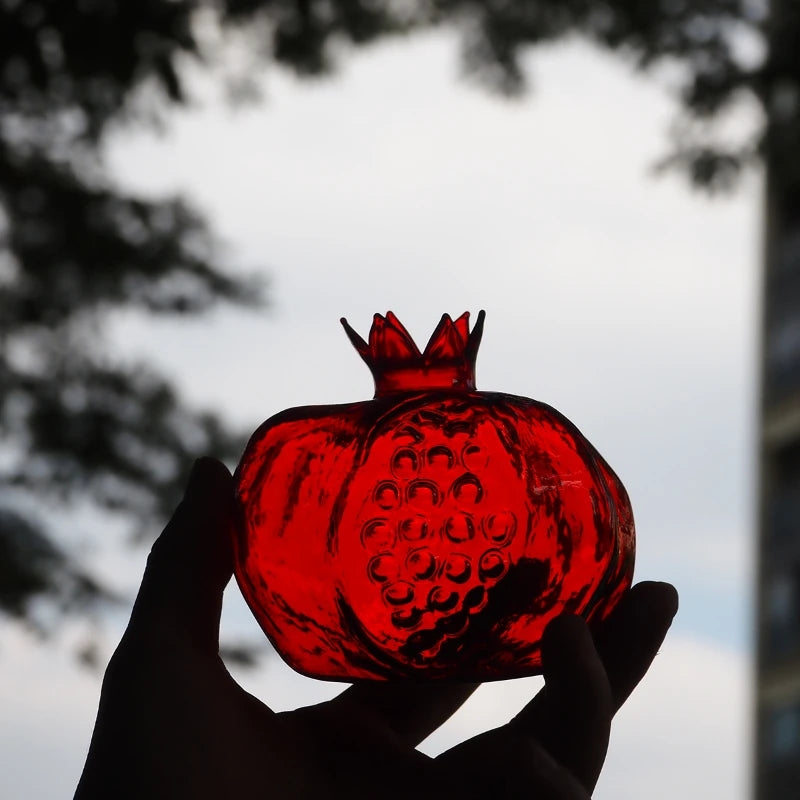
(450, 377)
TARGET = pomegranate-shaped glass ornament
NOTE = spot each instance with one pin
(431, 532)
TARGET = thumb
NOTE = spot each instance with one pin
(180, 599)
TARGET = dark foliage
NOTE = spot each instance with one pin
(75, 422)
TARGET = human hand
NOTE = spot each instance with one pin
(172, 722)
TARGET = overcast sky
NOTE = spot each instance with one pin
(627, 302)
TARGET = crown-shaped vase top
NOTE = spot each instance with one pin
(397, 365)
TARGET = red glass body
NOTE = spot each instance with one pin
(431, 532)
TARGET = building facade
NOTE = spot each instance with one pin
(777, 698)
(777, 740)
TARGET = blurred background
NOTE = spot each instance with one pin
(192, 192)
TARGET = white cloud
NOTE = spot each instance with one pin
(48, 709)
(682, 734)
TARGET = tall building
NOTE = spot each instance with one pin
(777, 762)
(777, 706)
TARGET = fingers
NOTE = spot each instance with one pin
(629, 639)
(411, 711)
(555, 748)
(586, 684)
(571, 718)
(190, 563)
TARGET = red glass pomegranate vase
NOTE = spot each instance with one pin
(431, 532)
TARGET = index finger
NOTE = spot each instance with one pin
(627, 642)
(592, 683)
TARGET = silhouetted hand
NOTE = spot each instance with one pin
(172, 723)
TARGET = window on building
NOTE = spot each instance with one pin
(782, 733)
(782, 335)
(784, 515)
(783, 497)
(782, 607)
